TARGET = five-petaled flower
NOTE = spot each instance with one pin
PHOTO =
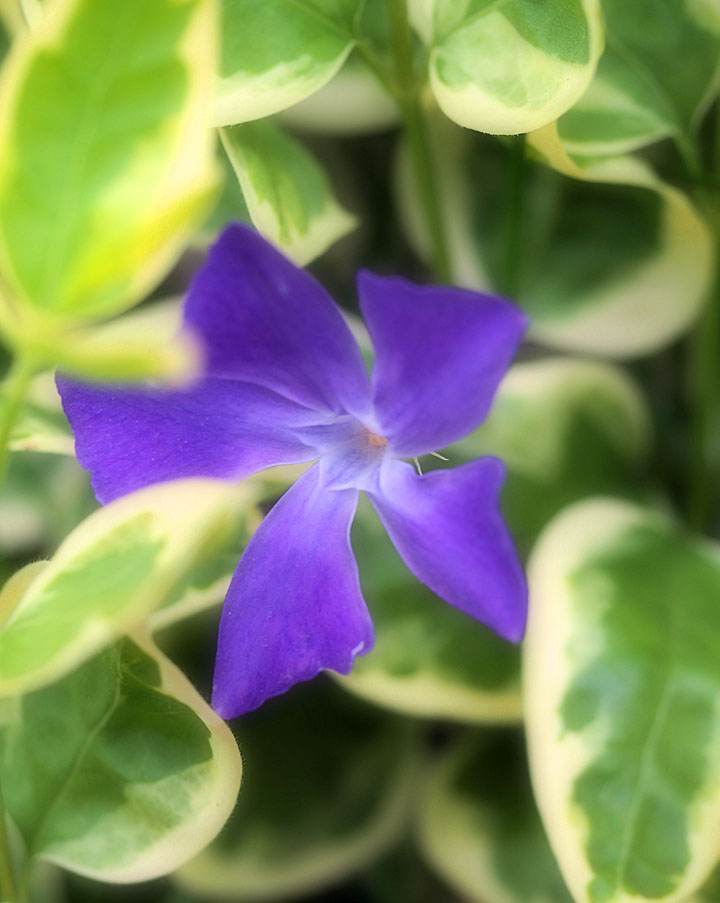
(285, 382)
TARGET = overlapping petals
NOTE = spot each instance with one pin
(286, 383)
(294, 606)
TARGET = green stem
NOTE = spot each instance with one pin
(705, 350)
(407, 95)
(704, 484)
(15, 389)
(516, 178)
(8, 886)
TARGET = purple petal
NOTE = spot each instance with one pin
(448, 529)
(294, 606)
(440, 354)
(130, 438)
(266, 321)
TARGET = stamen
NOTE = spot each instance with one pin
(438, 455)
(417, 464)
(377, 441)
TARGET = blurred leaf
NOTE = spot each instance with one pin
(509, 67)
(638, 256)
(108, 575)
(658, 75)
(621, 684)
(43, 496)
(205, 583)
(478, 826)
(429, 659)
(277, 52)
(40, 425)
(609, 260)
(355, 88)
(327, 789)
(550, 415)
(355, 101)
(287, 193)
(139, 774)
(14, 589)
(142, 344)
(710, 892)
(230, 205)
(106, 163)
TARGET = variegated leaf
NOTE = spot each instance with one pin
(479, 828)
(510, 66)
(140, 773)
(106, 578)
(659, 73)
(277, 52)
(287, 193)
(622, 684)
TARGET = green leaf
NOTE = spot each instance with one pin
(41, 425)
(510, 66)
(611, 260)
(658, 75)
(144, 344)
(327, 789)
(645, 269)
(139, 774)
(106, 165)
(106, 578)
(206, 582)
(278, 52)
(621, 686)
(429, 659)
(710, 892)
(355, 88)
(547, 416)
(229, 207)
(479, 828)
(287, 193)
(44, 496)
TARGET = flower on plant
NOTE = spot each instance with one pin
(285, 383)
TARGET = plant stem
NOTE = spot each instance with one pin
(705, 368)
(514, 215)
(8, 885)
(705, 408)
(15, 389)
(407, 95)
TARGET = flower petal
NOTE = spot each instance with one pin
(130, 438)
(294, 606)
(266, 321)
(448, 529)
(440, 354)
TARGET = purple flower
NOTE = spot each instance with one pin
(285, 382)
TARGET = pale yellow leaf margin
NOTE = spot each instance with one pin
(555, 756)
(642, 314)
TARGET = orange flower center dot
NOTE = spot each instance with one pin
(376, 441)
